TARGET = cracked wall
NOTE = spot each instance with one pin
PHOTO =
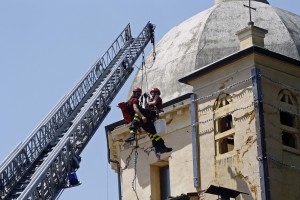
(283, 160)
(238, 168)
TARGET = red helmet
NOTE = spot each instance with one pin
(137, 89)
(156, 90)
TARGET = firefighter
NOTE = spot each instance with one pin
(74, 164)
(155, 103)
(143, 118)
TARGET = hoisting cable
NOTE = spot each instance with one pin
(145, 68)
(135, 166)
(152, 38)
(144, 74)
(142, 71)
(144, 62)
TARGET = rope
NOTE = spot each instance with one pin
(133, 184)
(151, 64)
(281, 109)
(144, 68)
(106, 182)
(128, 159)
(224, 89)
(279, 83)
(282, 163)
(144, 73)
(148, 150)
(227, 113)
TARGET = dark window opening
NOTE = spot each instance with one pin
(165, 190)
(288, 139)
(225, 123)
(226, 144)
(287, 119)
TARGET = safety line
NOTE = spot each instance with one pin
(224, 89)
(279, 83)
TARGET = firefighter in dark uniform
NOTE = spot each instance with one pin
(145, 118)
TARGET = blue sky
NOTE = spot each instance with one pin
(47, 46)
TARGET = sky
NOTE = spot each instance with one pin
(47, 46)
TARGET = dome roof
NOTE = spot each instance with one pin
(211, 35)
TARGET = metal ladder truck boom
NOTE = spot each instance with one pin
(38, 168)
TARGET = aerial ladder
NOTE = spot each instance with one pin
(38, 168)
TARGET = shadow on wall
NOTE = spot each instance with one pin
(243, 185)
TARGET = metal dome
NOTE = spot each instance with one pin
(211, 35)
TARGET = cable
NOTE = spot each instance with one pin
(282, 163)
(148, 150)
(224, 89)
(279, 83)
(133, 184)
(107, 182)
(281, 109)
(144, 66)
(227, 113)
(151, 64)
(144, 72)
(128, 159)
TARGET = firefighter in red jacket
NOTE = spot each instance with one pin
(143, 118)
(155, 103)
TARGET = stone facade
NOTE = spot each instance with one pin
(227, 96)
(230, 133)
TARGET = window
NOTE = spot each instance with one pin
(164, 175)
(222, 100)
(226, 144)
(288, 121)
(286, 96)
(289, 139)
(224, 124)
(160, 181)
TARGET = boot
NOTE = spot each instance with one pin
(130, 138)
(162, 149)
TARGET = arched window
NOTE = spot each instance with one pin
(222, 100)
(286, 96)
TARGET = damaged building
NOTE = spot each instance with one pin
(230, 86)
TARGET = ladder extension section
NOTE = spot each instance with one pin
(39, 167)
